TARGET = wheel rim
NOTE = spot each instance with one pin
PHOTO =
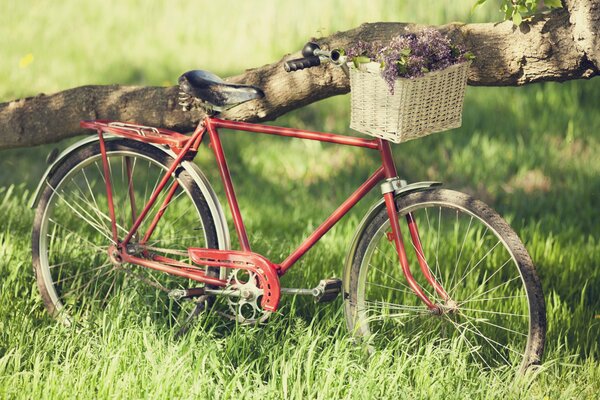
(489, 313)
(76, 270)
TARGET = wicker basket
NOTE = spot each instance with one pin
(418, 107)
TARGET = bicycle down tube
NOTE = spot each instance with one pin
(211, 125)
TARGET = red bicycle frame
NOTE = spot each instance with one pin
(185, 148)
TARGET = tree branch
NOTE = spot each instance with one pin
(558, 46)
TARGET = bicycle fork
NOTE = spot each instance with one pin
(388, 190)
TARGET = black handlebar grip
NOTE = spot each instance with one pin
(301, 63)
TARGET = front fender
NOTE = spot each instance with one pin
(373, 211)
(209, 194)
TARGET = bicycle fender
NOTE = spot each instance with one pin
(373, 211)
(209, 194)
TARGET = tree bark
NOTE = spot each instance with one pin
(558, 46)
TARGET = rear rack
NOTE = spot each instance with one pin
(139, 129)
(142, 133)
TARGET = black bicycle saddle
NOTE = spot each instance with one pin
(210, 88)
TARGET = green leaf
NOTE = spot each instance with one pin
(405, 52)
(517, 18)
(454, 51)
(477, 4)
(553, 3)
(402, 69)
(360, 60)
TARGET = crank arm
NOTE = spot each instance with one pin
(327, 290)
(178, 294)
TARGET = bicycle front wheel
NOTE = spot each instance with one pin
(77, 277)
(495, 310)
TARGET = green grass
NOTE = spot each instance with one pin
(528, 152)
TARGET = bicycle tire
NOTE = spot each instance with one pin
(423, 325)
(79, 169)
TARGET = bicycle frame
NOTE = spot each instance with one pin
(186, 148)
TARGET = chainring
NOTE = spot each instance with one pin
(245, 306)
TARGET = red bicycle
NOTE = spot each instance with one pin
(126, 219)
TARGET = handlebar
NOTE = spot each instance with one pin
(313, 56)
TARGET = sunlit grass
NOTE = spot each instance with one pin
(528, 152)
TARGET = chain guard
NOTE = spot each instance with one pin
(263, 269)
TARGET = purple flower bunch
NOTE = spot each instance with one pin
(409, 56)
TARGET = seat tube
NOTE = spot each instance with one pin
(390, 172)
(215, 143)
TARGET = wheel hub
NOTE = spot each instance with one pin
(114, 255)
(448, 307)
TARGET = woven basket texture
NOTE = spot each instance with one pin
(418, 107)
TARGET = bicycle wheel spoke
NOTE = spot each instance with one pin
(94, 246)
(438, 273)
(475, 266)
(473, 348)
(82, 273)
(101, 215)
(492, 341)
(391, 288)
(484, 321)
(455, 247)
(494, 299)
(384, 304)
(434, 294)
(437, 242)
(462, 246)
(83, 210)
(467, 270)
(475, 297)
(130, 189)
(100, 172)
(83, 218)
(394, 279)
(495, 312)
(83, 288)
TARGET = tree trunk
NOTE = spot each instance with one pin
(558, 46)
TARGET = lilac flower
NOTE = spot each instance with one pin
(363, 49)
(410, 56)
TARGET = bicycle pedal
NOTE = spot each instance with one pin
(327, 290)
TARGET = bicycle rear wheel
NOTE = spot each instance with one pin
(496, 311)
(77, 277)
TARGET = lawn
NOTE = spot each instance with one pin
(530, 153)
